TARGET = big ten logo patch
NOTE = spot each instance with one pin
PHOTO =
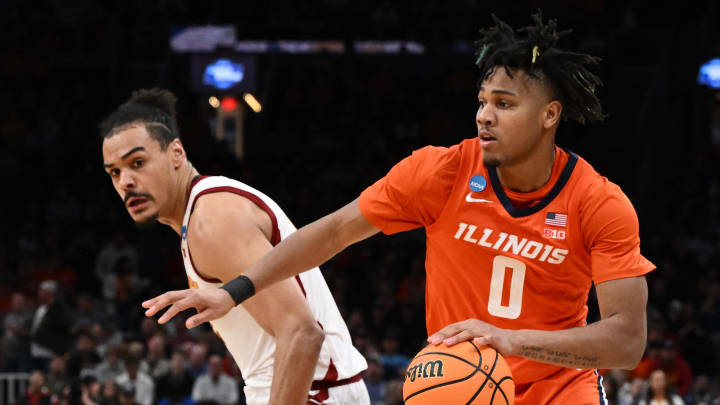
(427, 370)
(554, 234)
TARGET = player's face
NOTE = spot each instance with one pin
(140, 170)
(511, 117)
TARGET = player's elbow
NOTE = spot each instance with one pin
(308, 336)
(631, 352)
(315, 338)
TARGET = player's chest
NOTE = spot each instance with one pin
(477, 221)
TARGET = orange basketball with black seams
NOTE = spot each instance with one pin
(465, 374)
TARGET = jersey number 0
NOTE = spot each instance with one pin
(497, 282)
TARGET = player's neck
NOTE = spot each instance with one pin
(178, 201)
(531, 173)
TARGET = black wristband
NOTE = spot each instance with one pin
(239, 289)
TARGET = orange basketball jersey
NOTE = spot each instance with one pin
(515, 260)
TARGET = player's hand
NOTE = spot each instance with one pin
(211, 304)
(482, 333)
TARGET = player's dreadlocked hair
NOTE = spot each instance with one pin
(155, 108)
(562, 71)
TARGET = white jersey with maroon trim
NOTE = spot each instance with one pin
(252, 348)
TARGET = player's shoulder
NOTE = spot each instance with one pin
(438, 158)
(225, 205)
(595, 184)
(437, 154)
(594, 189)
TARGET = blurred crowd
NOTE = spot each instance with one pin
(74, 269)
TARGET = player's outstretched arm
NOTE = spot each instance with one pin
(311, 246)
(616, 341)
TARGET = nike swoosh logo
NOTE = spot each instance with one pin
(469, 198)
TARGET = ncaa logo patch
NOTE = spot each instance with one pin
(477, 183)
(183, 232)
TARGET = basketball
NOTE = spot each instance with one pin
(461, 374)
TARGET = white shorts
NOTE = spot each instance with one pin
(351, 394)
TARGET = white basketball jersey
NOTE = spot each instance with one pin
(252, 348)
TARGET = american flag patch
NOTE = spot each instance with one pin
(555, 219)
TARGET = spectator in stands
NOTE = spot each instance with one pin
(112, 366)
(90, 390)
(176, 386)
(109, 393)
(115, 250)
(157, 361)
(215, 387)
(393, 362)
(57, 378)
(376, 386)
(16, 339)
(676, 369)
(87, 313)
(198, 360)
(127, 395)
(104, 335)
(148, 328)
(655, 339)
(83, 357)
(394, 392)
(128, 287)
(618, 380)
(631, 393)
(136, 349)
(660, 392)
(37, 393)
(49, 326)
(142, 384)
(700, 393)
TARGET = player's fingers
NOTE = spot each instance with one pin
(174, 309)
(444, 333)
(161, 301)
(151, 301)
(202, 316)
(482, 341)
(160, 298)
(461, 336)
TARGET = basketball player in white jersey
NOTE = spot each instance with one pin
(289, 341)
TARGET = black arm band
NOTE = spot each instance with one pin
(239, 289)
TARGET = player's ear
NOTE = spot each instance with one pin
(551, 114)
(177, 153)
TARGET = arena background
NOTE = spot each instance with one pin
(347, 89)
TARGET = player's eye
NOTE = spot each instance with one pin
(481, 103)
(138, 163)
(504, 104)
(114, 172)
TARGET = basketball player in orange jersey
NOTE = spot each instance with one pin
(290, 341)
(518, 229)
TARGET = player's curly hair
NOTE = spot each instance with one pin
(155, 108)
(564, 73)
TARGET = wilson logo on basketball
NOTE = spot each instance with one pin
(430, 369)
(464, 373)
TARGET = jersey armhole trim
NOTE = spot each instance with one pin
(274, 238)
